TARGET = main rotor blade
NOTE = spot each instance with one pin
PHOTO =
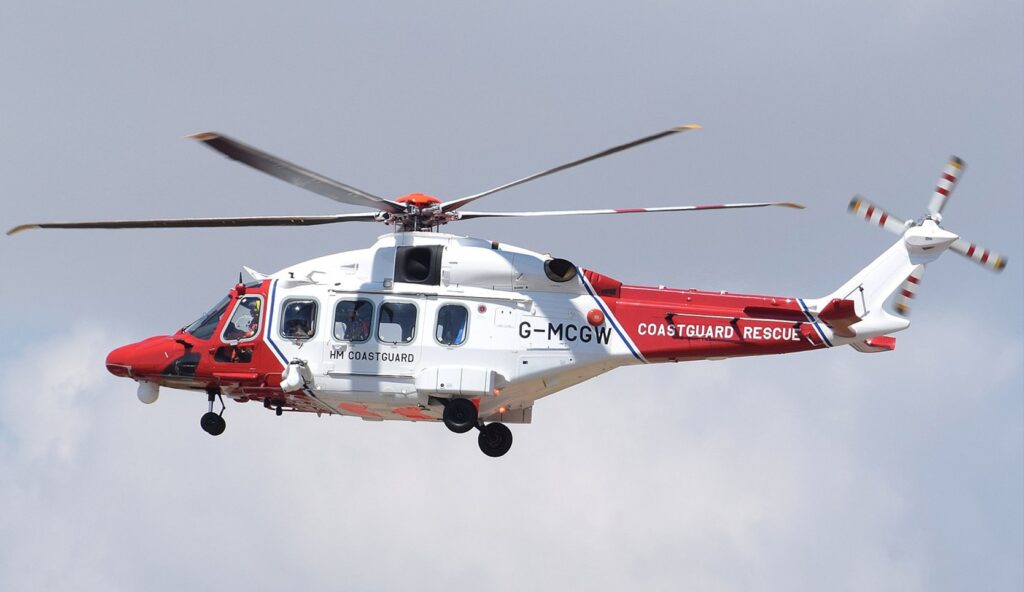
(294, 174)
(947, 183)
(205, 222)
(458, 203)
(471, 215)
(979, 255)
(873, 214)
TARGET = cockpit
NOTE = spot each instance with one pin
(204, 326)
(242, 325)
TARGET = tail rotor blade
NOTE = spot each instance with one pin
(873, 214)
(908, 291)
(979, 255)
(950, 176)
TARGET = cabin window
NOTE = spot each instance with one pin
(245, 320)
(204, 326)
(352, 320)
(452, 321)
(298, 319)
(397, 323)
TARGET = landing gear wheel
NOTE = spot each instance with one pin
(495, 439)
(212, 423)
(460, 415)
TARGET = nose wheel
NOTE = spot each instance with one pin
(213, 423)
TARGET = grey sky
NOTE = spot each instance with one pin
(819, 470)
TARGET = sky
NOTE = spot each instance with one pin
(837, 470)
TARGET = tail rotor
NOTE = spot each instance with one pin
(877, 216)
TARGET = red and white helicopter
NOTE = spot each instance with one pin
(427, 326)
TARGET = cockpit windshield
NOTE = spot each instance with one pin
(204, 326)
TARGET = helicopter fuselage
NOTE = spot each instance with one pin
(397, 330)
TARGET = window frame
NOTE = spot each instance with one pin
(234, 309)
(191, 331)
(380, 316)
(437, 317)
(373, 315)
(313, 324)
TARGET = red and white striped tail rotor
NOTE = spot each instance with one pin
(908, 291)
(947, 182)
(950, 176)
(979, 255)
(873, 214)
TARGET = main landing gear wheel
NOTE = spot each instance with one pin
(212, 423)
(460, 415)
(495, 439)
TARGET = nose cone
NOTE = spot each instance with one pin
(147, 358)
(119, 361)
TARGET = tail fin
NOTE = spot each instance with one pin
(880, 295)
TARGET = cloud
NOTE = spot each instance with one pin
(750, 473)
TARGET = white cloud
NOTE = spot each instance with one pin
(782, 472)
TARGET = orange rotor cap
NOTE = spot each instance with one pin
(420, 200)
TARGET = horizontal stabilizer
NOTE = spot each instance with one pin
(875, 345)
(840, 314)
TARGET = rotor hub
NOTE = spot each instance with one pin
(420, 200)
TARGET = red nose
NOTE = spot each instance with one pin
(146, 358)
(119, 361)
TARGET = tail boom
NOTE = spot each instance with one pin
(675, 325)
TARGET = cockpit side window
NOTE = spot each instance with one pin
(204, 326)
(397, 323)
(298, 321)
(245, 320)
(352, 320)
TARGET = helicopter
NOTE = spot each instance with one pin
(429, 326)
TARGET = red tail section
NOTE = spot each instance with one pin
(669, 325)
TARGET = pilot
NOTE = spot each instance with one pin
(241, 327)
(254, 319)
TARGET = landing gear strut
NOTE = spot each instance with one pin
(213, 423)
(460, 415)
(495, 439)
